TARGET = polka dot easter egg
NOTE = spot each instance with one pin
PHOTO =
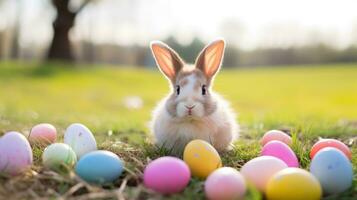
(202, 158)
(80, 139)
(333, 169)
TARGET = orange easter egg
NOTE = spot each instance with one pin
(330, 143)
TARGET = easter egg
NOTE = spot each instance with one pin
(15, 153)
(276, 135)
(225, 183)
(333, 169)
(58, 156)
(202, 158)
(330, 143)
(259, 170)
(80, 138)
(167, 175)
(99, 167)
(282, 151)
(293, 184)
(43, 134)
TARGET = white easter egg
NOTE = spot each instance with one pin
(15, 153)
(259, 170)
(80, 138)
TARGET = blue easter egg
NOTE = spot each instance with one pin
(99, 167)
(333, 170)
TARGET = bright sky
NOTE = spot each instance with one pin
(247, 24)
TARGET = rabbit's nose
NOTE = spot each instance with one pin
(190, 107)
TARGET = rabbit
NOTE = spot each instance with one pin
(192, 110)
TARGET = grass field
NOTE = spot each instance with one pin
(307, 101)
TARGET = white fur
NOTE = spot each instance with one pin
(219, 128)
(174, 130)
(187, 98)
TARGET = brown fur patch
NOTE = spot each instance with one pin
(203, 76)
(210, 105)
(183, 82)
(198, 84)
(185, 72)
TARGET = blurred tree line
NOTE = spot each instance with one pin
(87, 52)
(234, 57)
(62, 48)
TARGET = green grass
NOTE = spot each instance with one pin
(307, 101)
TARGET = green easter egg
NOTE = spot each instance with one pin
(59, 155)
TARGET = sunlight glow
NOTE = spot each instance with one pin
(247, 24)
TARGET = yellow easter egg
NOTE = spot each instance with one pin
(202, 158)
(293, 184)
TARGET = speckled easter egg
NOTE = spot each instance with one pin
(167, 175)
(225, 183)
(276, 135)
(323, 143)
(43, 134)
(80, 138)
(99, 167)
(15, 153)
(282, 151)
(293, 184)
(202, 158)
(58, 155)
(259, 170)
(333, 169)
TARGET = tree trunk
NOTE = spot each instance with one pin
(60, 48)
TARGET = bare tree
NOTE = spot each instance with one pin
(60, 48)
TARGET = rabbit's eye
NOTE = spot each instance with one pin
(177, 89)
(203, 89)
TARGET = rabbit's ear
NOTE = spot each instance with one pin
(210, 58)
(166, 59)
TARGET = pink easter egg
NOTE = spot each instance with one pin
(225, 183)
(276, 135)
(43, 134)
(15, 153)
(282, 151)
(258, 171)
(167, 175)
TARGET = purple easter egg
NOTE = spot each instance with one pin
(282, 151)
(15, 153)
(167, 175)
